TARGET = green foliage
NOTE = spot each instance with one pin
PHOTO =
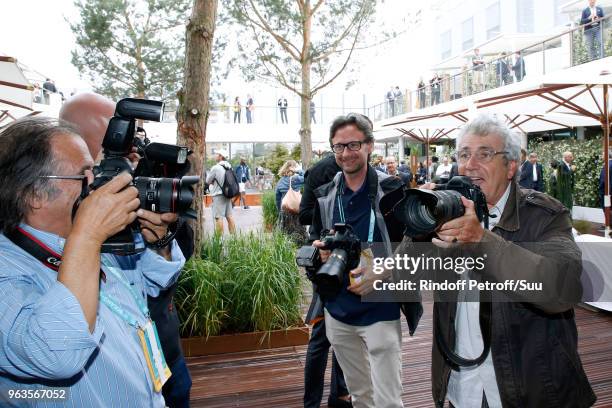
(275, 159)
(296, 152)
(270, 212)
(129, 47)
(200, 303)
(583, 226)
(588, 162)
(242, 283)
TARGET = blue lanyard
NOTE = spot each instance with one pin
(341, 211)
(115, 307)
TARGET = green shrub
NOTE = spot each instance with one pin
(583, 226)
(266, 286)
(243, 283)
(588, 161)
(270, 212)
(200, 303)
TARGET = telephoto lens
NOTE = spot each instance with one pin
(162, 195)
(422, 212)
(426, 210)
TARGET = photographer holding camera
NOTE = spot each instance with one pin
(74, 317)
(91, 113)
(490, 351)
(366, 336)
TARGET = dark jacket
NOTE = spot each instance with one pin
(162, 308)
(584, 19)
(379, 184)
(243, 173)
(534, 344)
(405, 177)
(321, 173)
(602, 179)
(526, 180)
(519, 68)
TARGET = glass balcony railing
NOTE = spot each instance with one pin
(570, 48)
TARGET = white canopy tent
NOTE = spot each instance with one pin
(15, 91)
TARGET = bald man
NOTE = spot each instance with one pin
(90, 113)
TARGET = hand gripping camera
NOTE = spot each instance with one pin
(328, 276)
(158, 176)
(422, 212)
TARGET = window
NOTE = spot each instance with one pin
(446, 46)
(493, 20)
(467, 28)
(524, 16)
(561, 19)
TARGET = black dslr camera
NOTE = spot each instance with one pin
(422, 212)
(328, 276)
(158, 176)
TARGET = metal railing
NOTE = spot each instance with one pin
(228, 114)
(570, 48)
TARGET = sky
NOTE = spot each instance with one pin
(37, 34)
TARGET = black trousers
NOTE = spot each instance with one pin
(314, 371)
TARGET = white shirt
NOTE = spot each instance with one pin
(444, 170)
(465, 387)
(535, 172)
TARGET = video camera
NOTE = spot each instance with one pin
(422, 212)
(159, 175)
(328, 276)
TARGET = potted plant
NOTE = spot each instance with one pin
(244, 293)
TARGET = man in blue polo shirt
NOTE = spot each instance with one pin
(366, 336)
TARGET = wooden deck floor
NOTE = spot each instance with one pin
(274, 378)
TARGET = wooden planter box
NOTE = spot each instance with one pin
(252, 199)
(233, 343)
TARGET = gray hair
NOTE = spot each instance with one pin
(485, 125)
(25, 156)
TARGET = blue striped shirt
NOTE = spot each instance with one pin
(45, 340)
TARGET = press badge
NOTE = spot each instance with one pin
(158, 369)
(366, 260)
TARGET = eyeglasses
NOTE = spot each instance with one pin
(82, 177)
(483, 155)
(338, 148)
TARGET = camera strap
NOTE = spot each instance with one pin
(339, 195)
(39, 250)
(454, 359)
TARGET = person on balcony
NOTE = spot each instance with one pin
(48, 89)
(519, 67)
(237, 109)
(250, 107)
(421, 87)
(390, 102)
(592, 29)
(477, 72)
(313, 113)
(435, 89)
(282, 106)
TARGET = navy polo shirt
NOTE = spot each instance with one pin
(346, 306)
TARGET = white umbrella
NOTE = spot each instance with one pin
(15, 90)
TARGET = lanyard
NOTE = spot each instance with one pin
(115, 307)
(341, 211)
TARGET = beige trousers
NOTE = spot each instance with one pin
(371, 358)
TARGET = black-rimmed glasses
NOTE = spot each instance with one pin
(338, 148)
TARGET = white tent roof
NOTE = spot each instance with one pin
(15, 90)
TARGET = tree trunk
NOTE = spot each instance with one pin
(305, 131)
(193, 99)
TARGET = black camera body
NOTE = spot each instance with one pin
(345, 249)
(422, 212)
(158, 175)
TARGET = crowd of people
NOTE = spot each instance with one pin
(109, 302)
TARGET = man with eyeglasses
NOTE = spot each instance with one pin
(75, 327)
(510, 348)
(366, 336)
